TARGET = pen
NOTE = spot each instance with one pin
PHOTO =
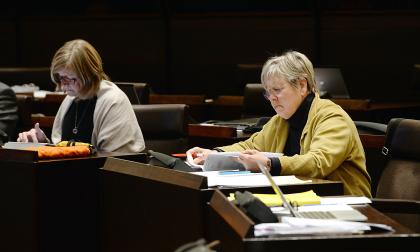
(179, 155)
(233, 172)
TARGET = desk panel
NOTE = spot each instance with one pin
(50, 205)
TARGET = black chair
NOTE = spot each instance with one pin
(138, 93)
(25, 105)
(398, 191)
(372, 128)
(164, 126)
(372, 135)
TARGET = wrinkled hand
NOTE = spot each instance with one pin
(35, 135)
(249, 159)
(198, 155)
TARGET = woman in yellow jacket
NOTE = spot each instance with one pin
(316, 136)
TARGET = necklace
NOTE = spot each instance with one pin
(76, 125)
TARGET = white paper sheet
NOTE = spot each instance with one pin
(214, 178)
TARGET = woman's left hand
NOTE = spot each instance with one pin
(249, 159)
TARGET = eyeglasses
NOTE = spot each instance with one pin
(275, 92)
(64, 80)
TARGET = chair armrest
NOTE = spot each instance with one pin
(396, 205)
(371, 127)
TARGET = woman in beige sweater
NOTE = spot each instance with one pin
(95, 110)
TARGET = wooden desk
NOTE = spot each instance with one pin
(149, 208)
(376, 111)
(42, 110)
(50, 205)
(210, 136)
(358, 109)
(226, 223)
(47, 105)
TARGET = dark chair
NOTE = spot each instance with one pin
(138, 93)
(164, 126)
(40, 76)
(9, 116)
(398, 192)
(254, 104)
(372, 135)
(24, 104)
(197, 105)
(371, 128)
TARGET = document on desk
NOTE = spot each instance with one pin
(349, 200)
(246, 179)
(224, 161)
(299, 226)
(23, 146)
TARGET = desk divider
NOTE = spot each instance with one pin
(150, 208)
(22, 156)
(211, 131)
(155, 173)
(232, 215)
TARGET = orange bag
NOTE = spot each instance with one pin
(45, 152)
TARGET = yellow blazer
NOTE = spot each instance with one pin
(330, 147)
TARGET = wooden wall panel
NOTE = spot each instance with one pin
(178, 50)
(376, 51)
(132, 48)
(205, 50)
(8, 43)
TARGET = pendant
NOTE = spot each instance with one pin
(75, 130)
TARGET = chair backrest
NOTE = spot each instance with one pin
(400, 178)
(254, 104)
(164, 126)
(24, 104)
(372, 135)
(197, 105)
(8, 113)
(138, 93)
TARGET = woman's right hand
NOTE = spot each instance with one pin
(35, 135)
(198, 155)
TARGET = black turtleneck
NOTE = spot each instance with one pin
(296, 124)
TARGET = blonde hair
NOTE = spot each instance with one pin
(291, 66)
(82, 58)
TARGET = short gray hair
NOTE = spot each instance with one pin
(291, 66)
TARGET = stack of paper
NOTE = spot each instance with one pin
(292, 225)
(302, 226)
(246, 179)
